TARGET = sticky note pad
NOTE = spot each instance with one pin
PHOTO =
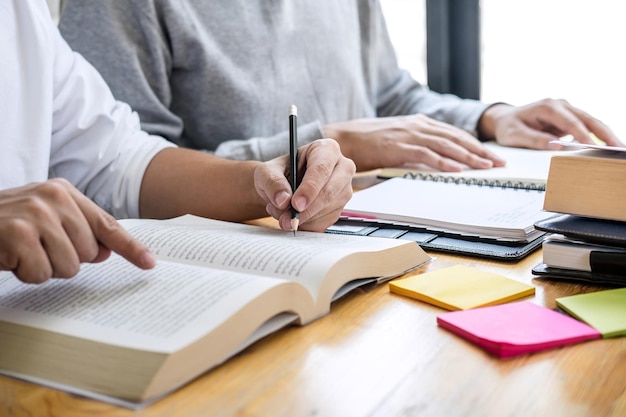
(461, 287)
(605, 310)
(516, 328)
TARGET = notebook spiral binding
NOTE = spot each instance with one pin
(518, 185)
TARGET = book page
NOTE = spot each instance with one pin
(159, 310)
(304, 258)
(577, 145)
(219, 267)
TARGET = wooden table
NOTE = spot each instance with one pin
(380, 354)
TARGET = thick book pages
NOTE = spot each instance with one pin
(514, 329)
(119, 332)
(525, 168)
(482, 211)
(561, 252)
(588, 183)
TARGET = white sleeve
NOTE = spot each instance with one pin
(97, 142)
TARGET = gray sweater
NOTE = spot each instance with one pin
(220, 75)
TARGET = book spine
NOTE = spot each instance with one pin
(481, 182)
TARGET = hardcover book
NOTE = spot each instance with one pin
(588, 183)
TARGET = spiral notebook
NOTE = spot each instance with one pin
(481, 211)
(465, 213)
(525, 168)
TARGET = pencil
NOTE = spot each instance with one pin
(293, 162)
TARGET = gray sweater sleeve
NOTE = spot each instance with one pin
(266, 148)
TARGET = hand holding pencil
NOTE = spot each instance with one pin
(314, 199)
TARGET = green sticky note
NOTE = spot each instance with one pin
(461, 287)
(605, 310)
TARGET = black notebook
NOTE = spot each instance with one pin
(440, 241)
(604, 232)
(583, 277)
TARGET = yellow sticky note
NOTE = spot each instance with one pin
(461, 288)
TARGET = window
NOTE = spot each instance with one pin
(406, 22)
(569, 49)
(534, 49)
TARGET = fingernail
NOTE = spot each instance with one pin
(300, 203)
(282, 198)
(453, 166)
(148, 260)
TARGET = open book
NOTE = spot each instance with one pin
(525, 168)
(125, 335)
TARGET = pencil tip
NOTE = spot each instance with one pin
(294, 225)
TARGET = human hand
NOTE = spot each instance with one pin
(47, 229)
(325, 188)
(395, 141)
(536, 124)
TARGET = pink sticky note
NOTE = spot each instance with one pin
(516, 328)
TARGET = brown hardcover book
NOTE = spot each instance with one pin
(589, 183)
(127, 336)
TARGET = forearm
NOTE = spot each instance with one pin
(405, 96)
(181, 181)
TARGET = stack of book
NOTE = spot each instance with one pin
(588, 241)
